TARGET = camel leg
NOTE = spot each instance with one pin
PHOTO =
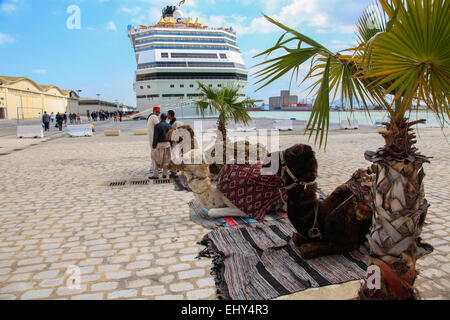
(226, 212)
(319, 249)
(299, 239)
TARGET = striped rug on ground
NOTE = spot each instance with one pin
(260, 262)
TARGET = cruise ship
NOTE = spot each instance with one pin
(178, 51)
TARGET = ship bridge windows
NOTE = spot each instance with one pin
(152, 96)
(223, 56)
(173, 95)
(181, 55)
(195, 95)
(164, 55)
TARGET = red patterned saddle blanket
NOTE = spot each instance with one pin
(249, 190)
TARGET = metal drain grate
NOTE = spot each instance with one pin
(162, 181)
(140, 183)
(118, 184)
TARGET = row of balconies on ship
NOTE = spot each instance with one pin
(138, 34)
(190, 64)
(186, 46)
(184, 39)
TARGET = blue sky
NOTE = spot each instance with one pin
(98, 58)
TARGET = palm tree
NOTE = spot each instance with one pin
(224, 102)
(402, 58)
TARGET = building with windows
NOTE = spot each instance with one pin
(284, 99)
(23, 98)
(175, 53)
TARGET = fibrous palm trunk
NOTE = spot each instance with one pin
(399, 209)
(221, 126)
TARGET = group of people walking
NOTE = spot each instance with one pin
(104, 115)
(75, 118)
(158, 127)
(47, 119)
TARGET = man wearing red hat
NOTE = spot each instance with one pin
(152, 121)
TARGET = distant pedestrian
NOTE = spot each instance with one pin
(52, 117)
(88, 115)
(65, 118)
(161, 152)
(46, 121)
(59, 120)
(78, 118)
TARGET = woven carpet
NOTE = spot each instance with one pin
(199, 215)
(259, 261)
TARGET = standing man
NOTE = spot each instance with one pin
(152, 121)
(88, 115)
(59, 120)
(161, 151)
(46, 121)
(173, 121)
(52, 117)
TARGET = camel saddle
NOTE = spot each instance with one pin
(250, 191)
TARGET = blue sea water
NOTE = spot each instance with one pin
(362, 117)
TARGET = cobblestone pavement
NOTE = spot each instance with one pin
(137, 242)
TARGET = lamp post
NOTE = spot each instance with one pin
(99, 102)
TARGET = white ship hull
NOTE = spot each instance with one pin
(171, 57)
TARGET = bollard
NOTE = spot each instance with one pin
(112, 133)
(140, 132)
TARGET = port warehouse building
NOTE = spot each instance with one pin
(22, 98)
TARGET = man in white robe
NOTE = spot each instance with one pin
(152, 121)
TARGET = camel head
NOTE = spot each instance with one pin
(300, 159)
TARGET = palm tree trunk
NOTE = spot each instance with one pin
(399, 209)
(221, 126)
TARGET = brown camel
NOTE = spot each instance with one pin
(335, 225)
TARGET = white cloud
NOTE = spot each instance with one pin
(111, 26)
(8, 7)
(6, 38)
(40, 71)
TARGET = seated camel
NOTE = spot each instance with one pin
(336, 225)
(198, 175)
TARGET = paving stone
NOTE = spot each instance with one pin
(181, 287)
(206, 282)
(138, 283)
(138, 265)
(201, 294)
(153, 291)
(120, 294)
(16, 287)
(150, 272)
(52, 282)
(195, 273)
(179, 267)
(36, 294)
(170, 297)
(46, 274)
(104, 286)
(117, 275)
(89, 296)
